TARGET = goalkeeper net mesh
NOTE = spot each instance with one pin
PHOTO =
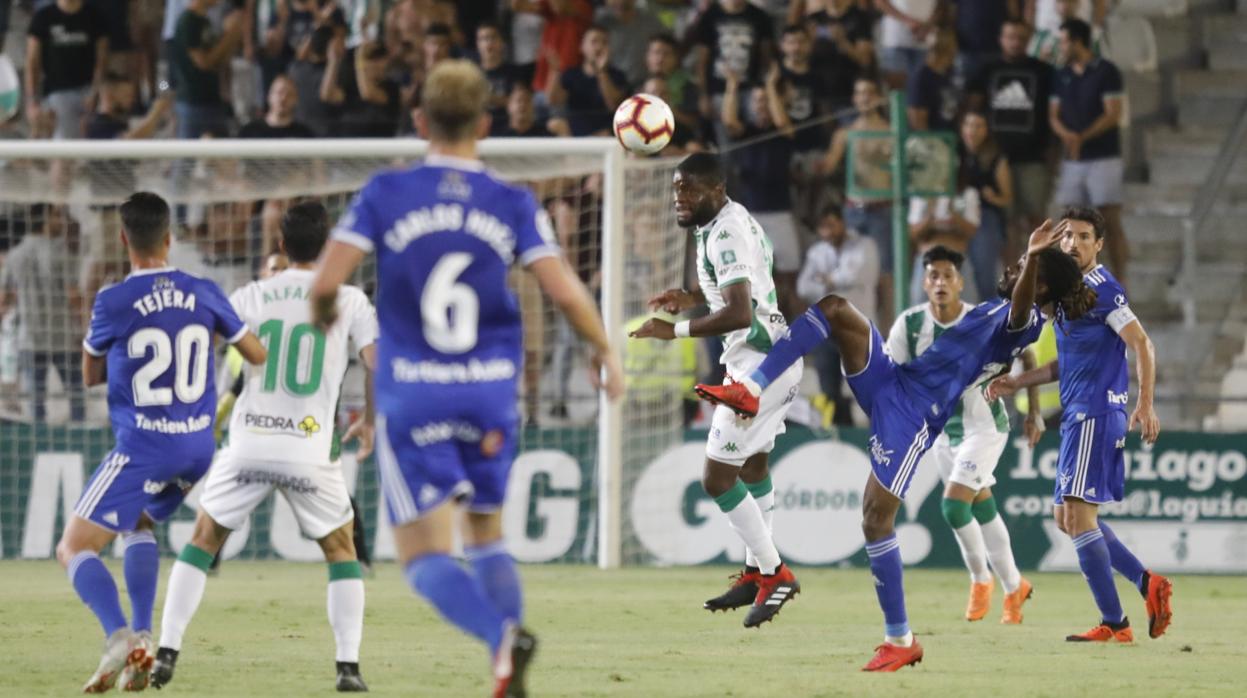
(60, 243)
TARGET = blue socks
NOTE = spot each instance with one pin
(142, 569)
(459, 597)
(1093, 558)
(885, 565)
(495, 568)
(805, 333)
(1124, 561)
(96, 588)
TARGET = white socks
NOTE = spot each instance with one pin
(973, 551)
(186, 590)
(747, 520)
(346, 616)
(1000, 551)
(767, 504)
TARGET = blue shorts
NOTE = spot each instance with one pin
(127, 485)
(458, 447)
(1093, 464)
(899, 434)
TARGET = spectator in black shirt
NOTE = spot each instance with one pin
(521, 120)
(763, 176)
(1084, 113)
(196, 57)
(66, 56)
(985, 169)
(491, 52)
(731, 36)
(112, 118)
(843, 48)
(356, 82)
(799, 104)
(278, 121)
(589, 93)
(978, 24)
(1013, 91)
(932, 95)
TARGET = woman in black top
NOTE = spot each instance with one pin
(985, 169)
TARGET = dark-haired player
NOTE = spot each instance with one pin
(971, 443)
(1093, 371)
(909, 404)
(281, 436)
(151, 334)
(734, 260)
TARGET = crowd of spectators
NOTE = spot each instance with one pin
(779, 87)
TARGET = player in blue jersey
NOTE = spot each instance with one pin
(1094, 378)
(909, 403)
(151, 335)
(449, 356)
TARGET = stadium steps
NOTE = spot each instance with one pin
(1226, 40)
(1210, 98)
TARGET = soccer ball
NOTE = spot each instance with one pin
(644, 124)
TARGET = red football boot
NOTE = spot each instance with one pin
(892, 657)
(733, 395)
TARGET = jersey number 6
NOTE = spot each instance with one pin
(450, 309)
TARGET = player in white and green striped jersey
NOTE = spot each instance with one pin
(971, 444)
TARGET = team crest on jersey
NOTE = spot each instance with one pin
(491, 443)
(727, 257)
(309, 426)
(1120, 300)
(454, 186)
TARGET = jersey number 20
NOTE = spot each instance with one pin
(188, 353)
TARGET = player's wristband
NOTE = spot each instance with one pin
(682, 328)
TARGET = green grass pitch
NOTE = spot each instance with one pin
(261, 631)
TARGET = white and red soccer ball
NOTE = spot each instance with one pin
(644, 124)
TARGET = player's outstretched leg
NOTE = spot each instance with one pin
(142, 571)
(900, 648)
(1156, 589)
(832, 316)
(1094, 560)
(187, 580)
(345, 605)
(1000, 553)
(957, 512)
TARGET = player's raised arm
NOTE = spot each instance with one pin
(1024, 292)
(571, 297)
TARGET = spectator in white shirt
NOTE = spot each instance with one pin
(846, 263)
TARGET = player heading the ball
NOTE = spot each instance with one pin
(449, 356)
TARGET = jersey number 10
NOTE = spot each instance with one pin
(291, 351)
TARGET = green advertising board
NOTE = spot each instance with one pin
(1185, 507)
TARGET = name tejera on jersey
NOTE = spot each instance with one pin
(447, 217)
(163, 299)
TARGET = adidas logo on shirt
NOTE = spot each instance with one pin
(1012, 96)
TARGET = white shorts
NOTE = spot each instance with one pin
(235, 486)
(732, 439)
(972, 463)
(1090, 183)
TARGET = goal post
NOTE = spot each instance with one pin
(612, 213)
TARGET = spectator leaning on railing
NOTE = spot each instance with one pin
(66, 58)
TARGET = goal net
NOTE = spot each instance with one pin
(571, 493)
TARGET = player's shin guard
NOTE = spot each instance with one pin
(805, 333)
(186, 589)
(1123, 560)
(458, 596)
(885, 566)
(96, 588)
(999, 545)
(763, 492)
(746, 519)
(142, 570)
(495, 567)
(1093, 558)
(969, 538)
(346, 608)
